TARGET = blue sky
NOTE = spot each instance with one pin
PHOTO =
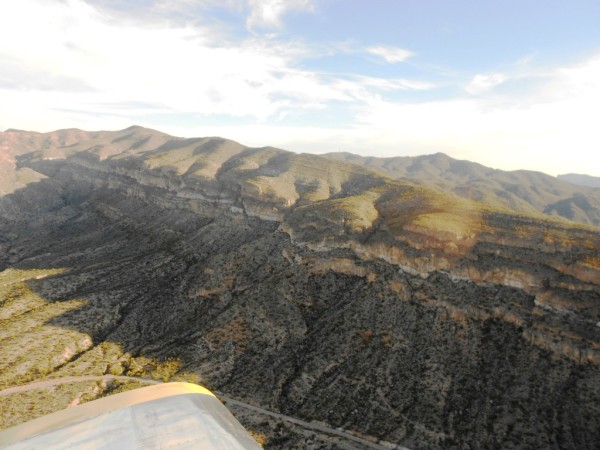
(511, 84)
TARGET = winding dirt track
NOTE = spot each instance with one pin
(64, 380)
(307, 425)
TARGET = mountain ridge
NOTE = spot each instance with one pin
(317, 288)
(520, 190)
(581, 180)
(523, 191)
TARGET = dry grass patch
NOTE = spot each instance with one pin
(24, 406)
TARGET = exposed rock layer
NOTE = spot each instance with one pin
(307, 286)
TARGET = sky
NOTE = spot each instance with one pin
(510, 84)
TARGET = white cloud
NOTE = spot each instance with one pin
(390, 54)
(65, 64)
(268, 13)
(553, 130)
(483, 83)
(69, 59)
(578, 81)
(71, 47)
(260, 15)
(395, 84)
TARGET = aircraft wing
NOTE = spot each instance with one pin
(162, 416)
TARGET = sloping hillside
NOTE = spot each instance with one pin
(305, 285)
(581, 180)
(523, 191)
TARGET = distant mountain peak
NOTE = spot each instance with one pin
(440, 155)
(524, 191)
(580, 180)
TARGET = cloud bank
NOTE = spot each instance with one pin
(71, 64)
(390, 54)
(269, 13)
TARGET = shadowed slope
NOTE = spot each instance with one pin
(308, 286)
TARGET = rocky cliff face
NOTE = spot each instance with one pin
(306, 286)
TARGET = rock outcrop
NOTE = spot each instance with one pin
(316, 288)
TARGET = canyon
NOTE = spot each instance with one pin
(307, 285)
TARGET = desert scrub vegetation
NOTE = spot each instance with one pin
(105, 358)
(278, 189)
(109, 358)
(593, 262)
(424, 209)
(39, 349)
(34, 343)
(260, 438)
(13, 282)
(162, 369)
(235, 332)
(358, 212)
(353, 214)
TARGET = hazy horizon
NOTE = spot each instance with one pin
(407, 155)
(510, 86)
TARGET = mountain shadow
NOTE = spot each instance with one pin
(372, 305)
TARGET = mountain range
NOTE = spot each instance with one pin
(581, 180)
(574, 197)
(420, 302)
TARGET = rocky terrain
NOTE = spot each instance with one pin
(313, 287)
